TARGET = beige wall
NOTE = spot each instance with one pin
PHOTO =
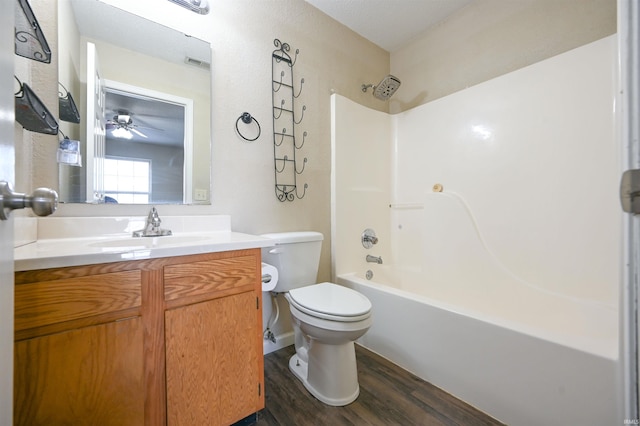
(489, 38)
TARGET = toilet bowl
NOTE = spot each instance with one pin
(324, 332)
(327, 318)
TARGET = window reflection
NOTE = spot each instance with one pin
(127, 180)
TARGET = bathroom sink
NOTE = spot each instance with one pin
(72, 241)
(132, 243)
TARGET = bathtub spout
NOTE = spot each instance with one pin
(374, 259)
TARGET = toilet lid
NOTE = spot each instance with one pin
(331, 299)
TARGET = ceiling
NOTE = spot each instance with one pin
(390, 24)
(152, 120)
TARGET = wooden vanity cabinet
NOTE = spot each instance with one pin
(161, 341)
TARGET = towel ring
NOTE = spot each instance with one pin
(247, 119)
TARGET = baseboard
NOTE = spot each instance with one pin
(282, 341)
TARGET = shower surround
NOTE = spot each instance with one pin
(517, 259)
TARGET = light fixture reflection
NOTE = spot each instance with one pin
(198, 6)
(7, 114)
(121, 133)
(481, 131)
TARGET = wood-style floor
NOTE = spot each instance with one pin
(389, 395)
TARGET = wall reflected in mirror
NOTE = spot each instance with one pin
(156, 88)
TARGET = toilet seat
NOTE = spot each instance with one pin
(331, 301)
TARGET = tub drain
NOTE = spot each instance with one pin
(369, 274)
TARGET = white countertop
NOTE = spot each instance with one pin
(52, 248)
(55, 253)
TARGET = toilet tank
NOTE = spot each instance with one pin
(296, 255)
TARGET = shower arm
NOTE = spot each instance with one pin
(366, 86)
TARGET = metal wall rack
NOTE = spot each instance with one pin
(32, 113)
(67, 107)
(286, 116)
(30, 41)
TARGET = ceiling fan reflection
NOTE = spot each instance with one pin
(122, 126)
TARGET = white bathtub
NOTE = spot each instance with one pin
(501, 359)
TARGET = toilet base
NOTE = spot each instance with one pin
(300, 369)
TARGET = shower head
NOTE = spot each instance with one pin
(385, 89)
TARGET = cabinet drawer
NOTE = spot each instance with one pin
(229, 275)
(50, 302)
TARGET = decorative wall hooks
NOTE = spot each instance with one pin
(286, 116)
(31, 113)
(68, 109)
(246, 118)
(30, 41)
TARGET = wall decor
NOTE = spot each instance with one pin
(287, 117)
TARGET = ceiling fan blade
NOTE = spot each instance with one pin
(139, 133)
(148, 128)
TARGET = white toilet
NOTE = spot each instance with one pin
(327, 318)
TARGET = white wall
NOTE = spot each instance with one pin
(535, 156)
(361, 146)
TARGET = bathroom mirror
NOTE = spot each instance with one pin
(149, 110)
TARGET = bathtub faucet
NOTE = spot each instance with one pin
(374, 259)
(368, 238)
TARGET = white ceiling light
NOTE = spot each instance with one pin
(121, 133)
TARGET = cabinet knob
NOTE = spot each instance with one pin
(43, 201)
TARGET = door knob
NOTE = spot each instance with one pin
(43, 201)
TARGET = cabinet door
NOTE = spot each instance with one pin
(212, 361)
(88, 376)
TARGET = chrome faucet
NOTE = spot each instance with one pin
(152, 227)
(368, 238)
(371, 238)
(374, 259)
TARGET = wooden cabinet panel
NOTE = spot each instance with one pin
(213, 361)
(204, 278)
(50, 302)
(88, 376)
